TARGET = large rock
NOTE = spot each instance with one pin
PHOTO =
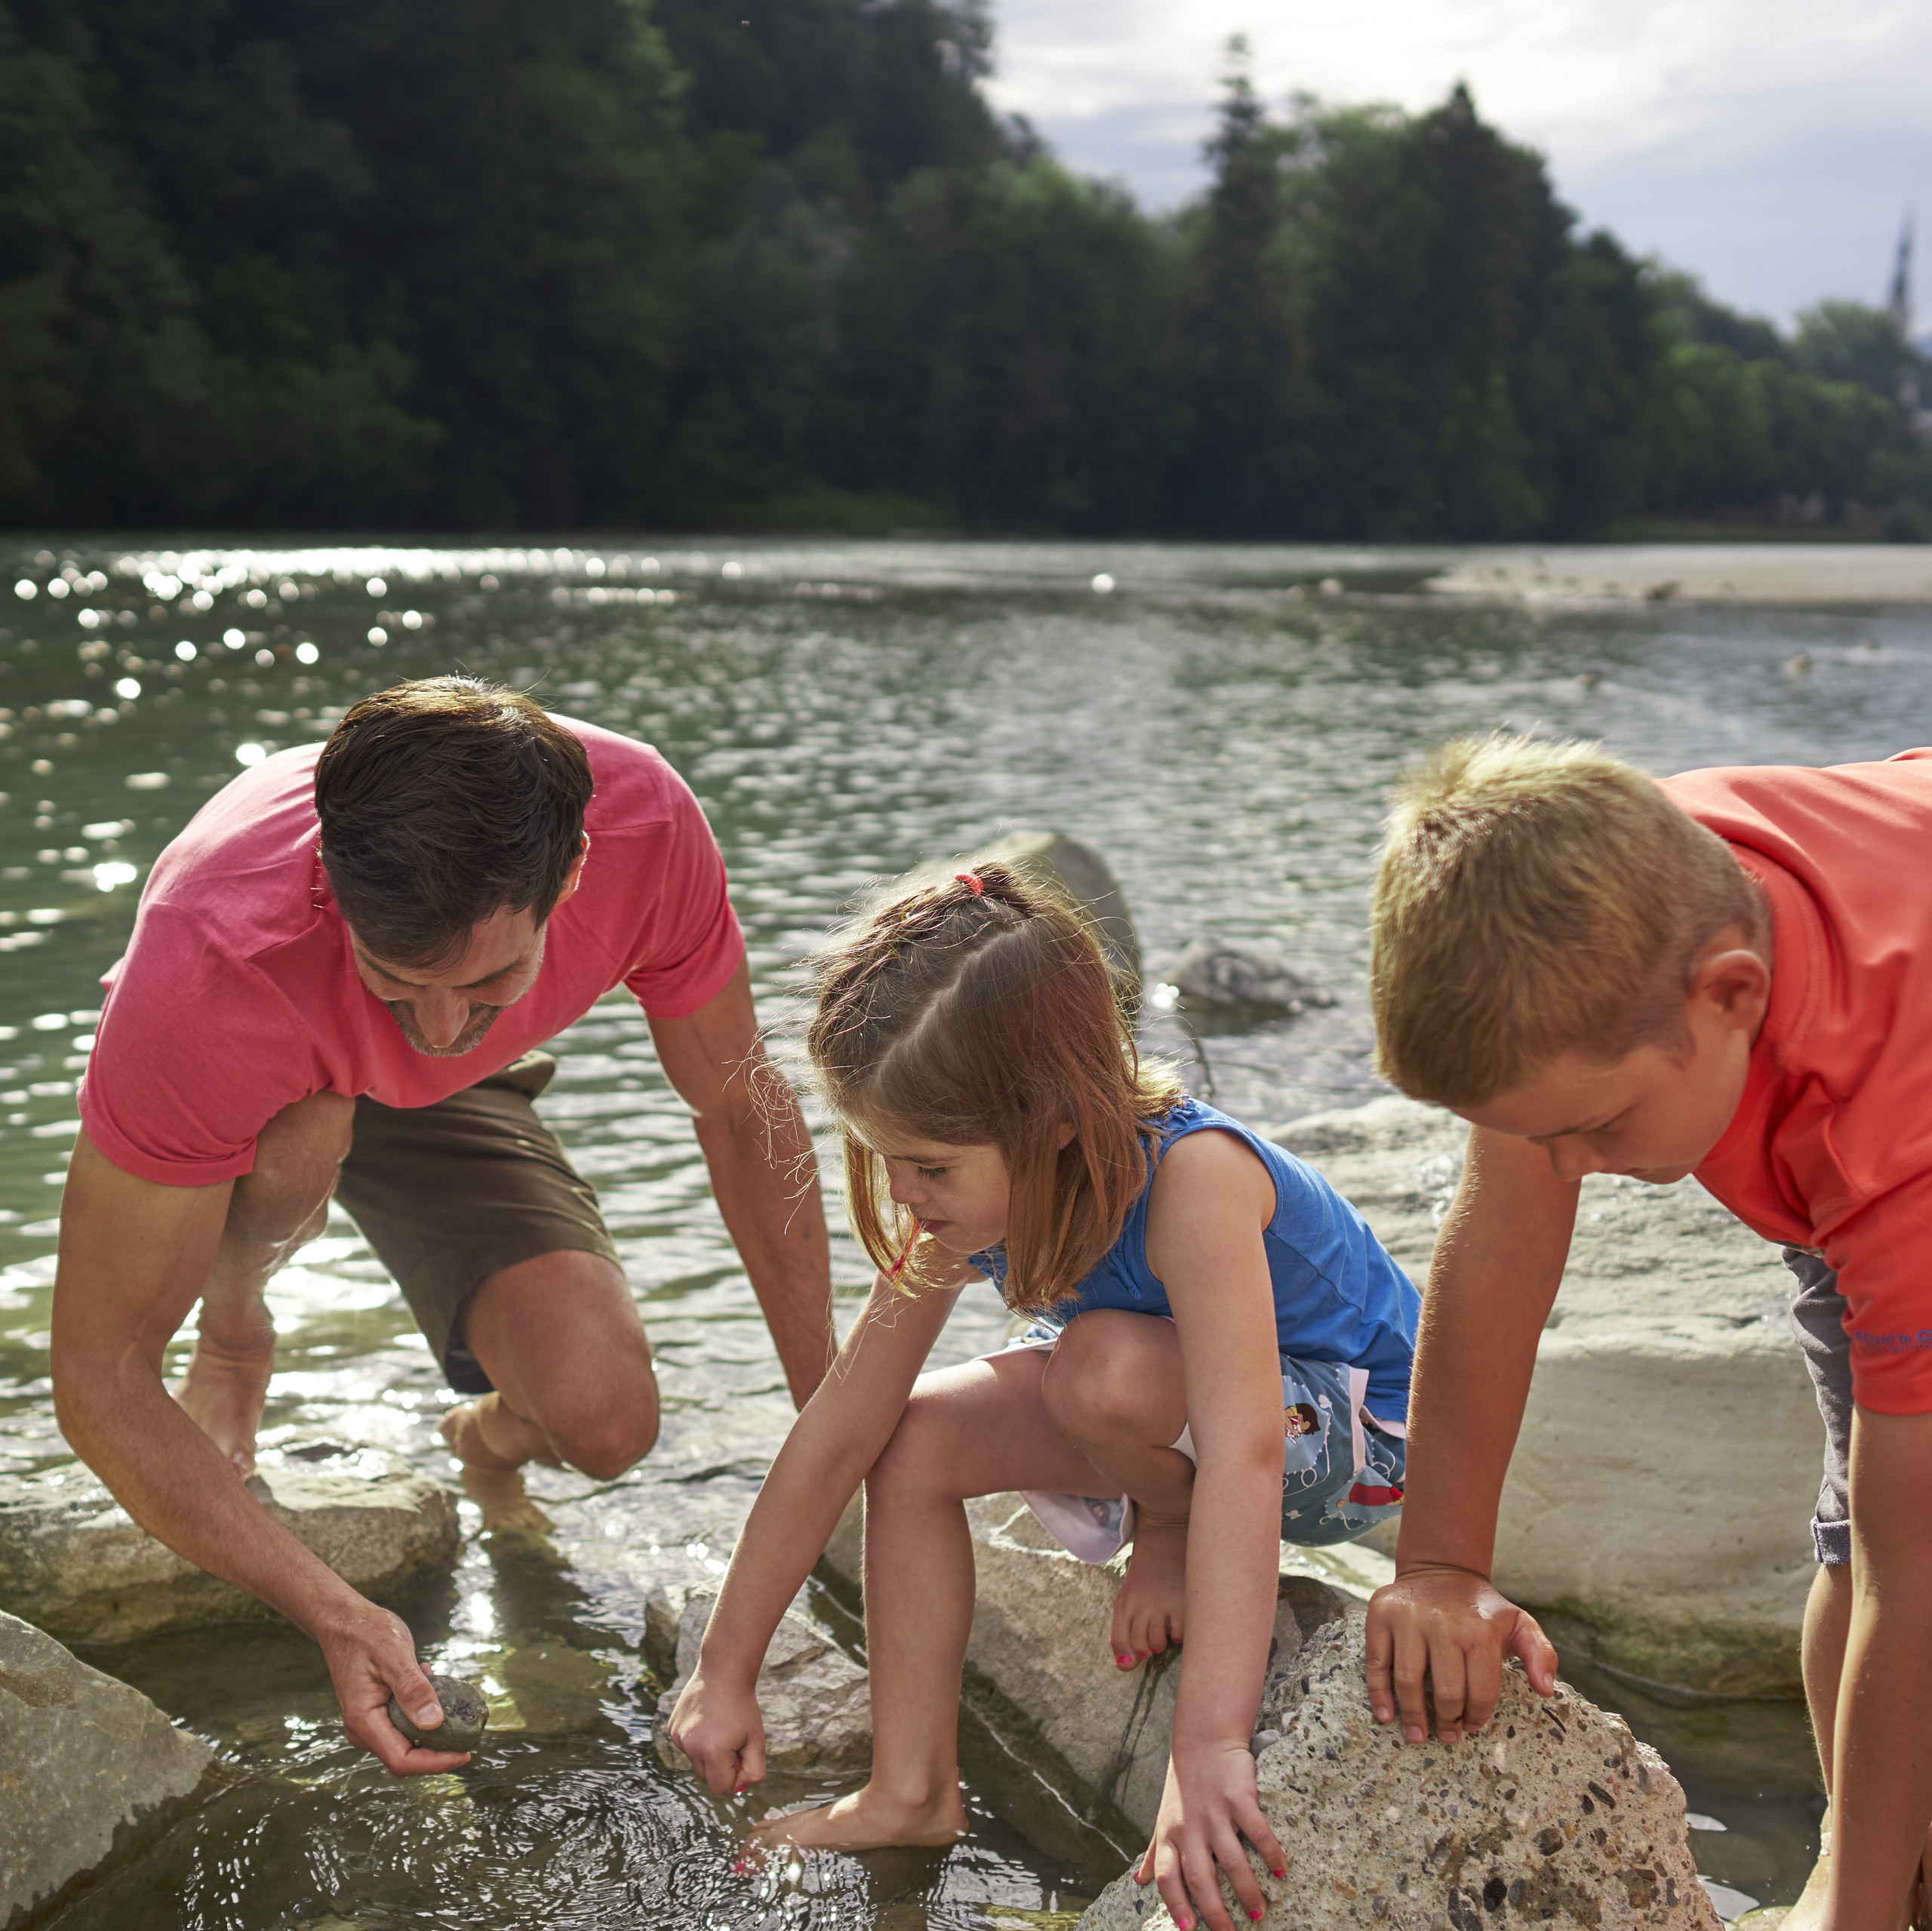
(1657, 1510)
(87, 1765)
(1041, 1619)
(1555, 1816)
(815, 1701)
(72, 1561)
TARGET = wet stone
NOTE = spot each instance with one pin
(466, 1716)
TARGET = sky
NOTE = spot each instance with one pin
(1772, 147)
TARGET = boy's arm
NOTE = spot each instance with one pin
(1497, 1264)
(1882, 1782)
(840, 1434)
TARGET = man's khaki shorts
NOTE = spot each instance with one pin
(449, 1195)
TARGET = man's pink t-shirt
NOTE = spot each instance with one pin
(238, 994)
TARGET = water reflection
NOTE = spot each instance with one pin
(1223, 733)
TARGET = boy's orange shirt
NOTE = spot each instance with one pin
(1831, 1146)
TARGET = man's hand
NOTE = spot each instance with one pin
(1453, 1626)
(372, 1657)
(134, 1255)
(1207, 1807)
(721, 1729)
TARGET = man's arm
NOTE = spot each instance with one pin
(763, 1171)
(1882, 1778)
(1498, 1263)
(134, 1257)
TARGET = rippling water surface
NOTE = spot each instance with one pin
(1215, 723)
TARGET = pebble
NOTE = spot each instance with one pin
(466, 1715)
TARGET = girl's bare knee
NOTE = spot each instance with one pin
(1096, 1385)
(922, 1457)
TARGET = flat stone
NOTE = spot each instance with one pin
(466, 1716)
(1657, 1511)
(1041, 1619)
(1554, 1815)
(72, 1561)
(815, 1701)
(87, 1765)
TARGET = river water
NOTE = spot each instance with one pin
(1217, 724)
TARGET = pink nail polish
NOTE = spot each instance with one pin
(1254, 1917)
(1281, 1874)
(1125, 1662)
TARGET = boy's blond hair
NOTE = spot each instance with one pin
(1535, 900)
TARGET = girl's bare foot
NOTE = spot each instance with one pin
(1147, 1610)
(224, 1391)
(868, 1820)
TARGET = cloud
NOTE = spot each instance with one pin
(1771, 145)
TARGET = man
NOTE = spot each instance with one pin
(337, 980)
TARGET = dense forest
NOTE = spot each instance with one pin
(556, 264)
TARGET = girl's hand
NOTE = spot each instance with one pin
(1208, 1807)
(721, 1731)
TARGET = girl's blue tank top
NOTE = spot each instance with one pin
(1338, 1296)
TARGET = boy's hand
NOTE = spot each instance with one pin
(1208, 1805)
(722, 1731)
(1454, 1626)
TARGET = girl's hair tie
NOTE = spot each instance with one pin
(972, 882)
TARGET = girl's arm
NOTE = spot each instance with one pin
(1212, 1199)
(832, 1446)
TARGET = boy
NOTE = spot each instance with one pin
(1730, 975)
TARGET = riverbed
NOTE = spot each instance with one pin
(1221, 723)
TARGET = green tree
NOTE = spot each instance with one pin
(1245, 469)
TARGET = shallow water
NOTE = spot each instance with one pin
(1221, 734)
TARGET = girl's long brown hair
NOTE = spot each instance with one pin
(988, 1018)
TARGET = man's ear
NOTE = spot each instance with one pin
(574, 876)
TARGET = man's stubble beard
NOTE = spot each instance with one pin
(404, 1012)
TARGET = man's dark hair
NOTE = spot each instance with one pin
(443, 801)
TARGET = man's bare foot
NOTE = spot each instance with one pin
(1147, 1610)
(223, 1393)
(868, 1820)
(500, 1493)
(488, 1435)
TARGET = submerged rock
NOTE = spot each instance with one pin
(466, 1716)
(1254, 976)
(815, 1700)
(86, 1765)
(1656, 1513)
(72, 1561)
(1554, 1814)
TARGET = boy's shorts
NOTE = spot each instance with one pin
(449, 1195)
(1342, 1470)
(1817, 1319)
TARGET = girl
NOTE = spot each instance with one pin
(1221, 1354)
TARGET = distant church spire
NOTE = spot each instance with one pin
(1899, 304)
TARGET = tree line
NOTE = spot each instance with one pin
(552, 264)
